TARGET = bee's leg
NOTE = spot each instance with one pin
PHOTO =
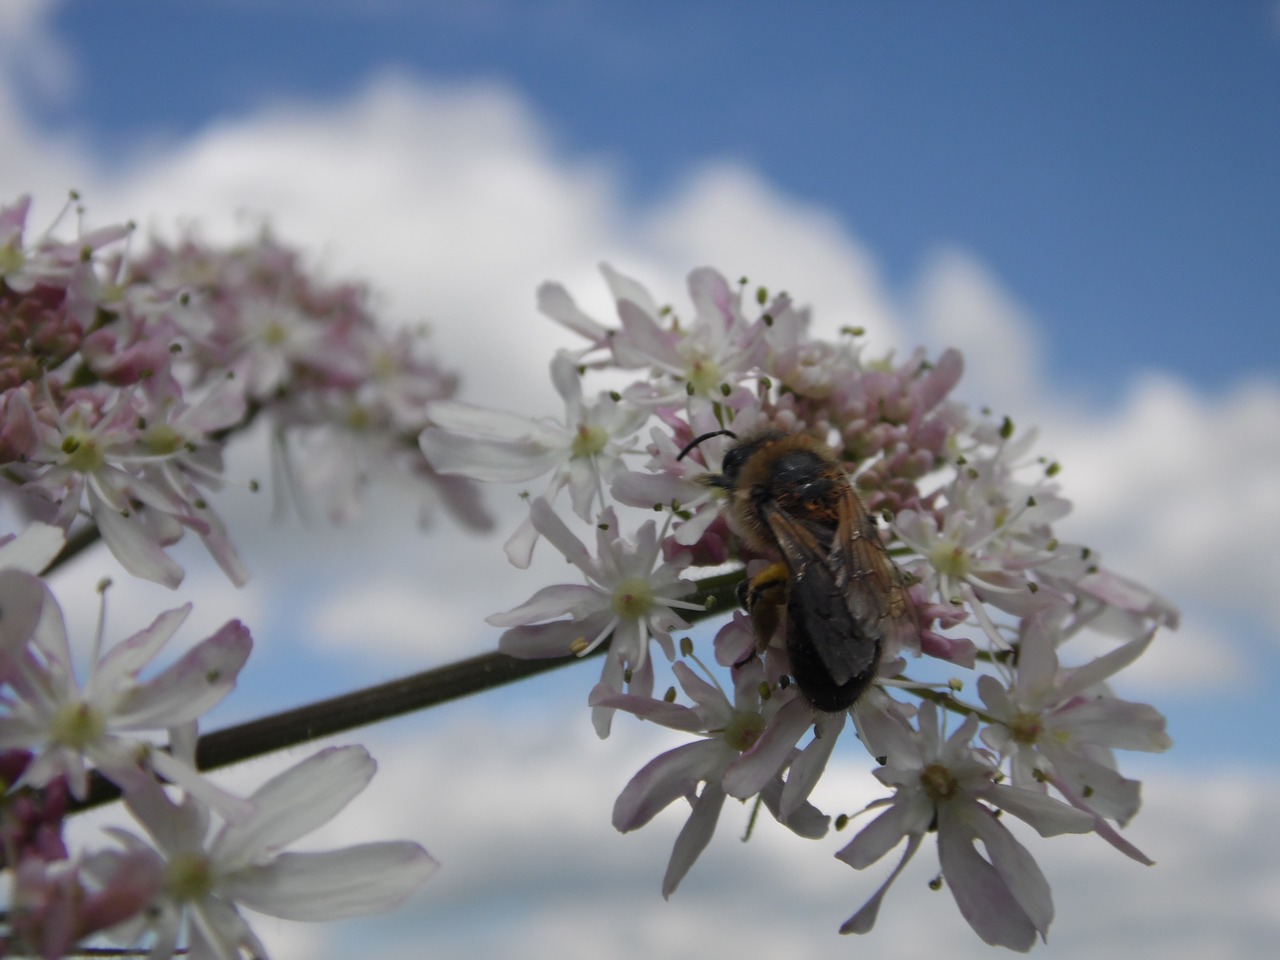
(764, 597)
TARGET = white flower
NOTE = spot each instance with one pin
(583, 453)
(629, 596)
(746, 737)
(69, 727)
(209, 873)
(939, 785)
(708, 358)
(1061, 725)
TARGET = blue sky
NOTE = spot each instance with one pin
(1083, 196)
(1114, 163)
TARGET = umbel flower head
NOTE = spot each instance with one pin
(967, 510)
(122, 376)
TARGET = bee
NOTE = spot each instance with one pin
(843, 599)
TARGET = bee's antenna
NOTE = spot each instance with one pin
(706, 436)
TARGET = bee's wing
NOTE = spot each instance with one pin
(872, 583)
(819, 613)
(846, 595)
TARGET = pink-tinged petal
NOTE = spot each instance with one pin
(1094, 672)
(295, 802)
(1110, 794)
(637, 489)
(694, 836)
(641, 341)
(193, 685)
(1129, 596)
(554, 302)
(623, 287)
(547, 604)
(335, 884)
(216, 931)
(508, 461)
(944, 373)
(700, 691)
(519, 546)
(231, 808)
(1101, 827)
(1015, 865)
(748, 774)
(567, 381)
(807, 768)
(482, 423)
(665, 778)
(173, 826)
(714, 302)
(13, 220)
(22, 599)
(805, 820)
(1037, 665)
(910, 814)
(734, 642)
(125, 659)
(979, 891)
(130, 543)
(1118, 724)
(224, 406)
(995, 697)
(548, 523)
(224, 553)
(128, 882)
(961, 651)
(611, 676)
(1048, 816)
(672, 715)
(541, 640)
(884, 732)
(865, 918)
(33, 549)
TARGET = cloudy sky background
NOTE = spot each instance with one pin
(1084, 200)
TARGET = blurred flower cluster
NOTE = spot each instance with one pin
(990, 704)
(122, 377)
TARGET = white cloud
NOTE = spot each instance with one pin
(960, 303)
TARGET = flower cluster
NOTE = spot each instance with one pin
(121, 380)
(993, 598)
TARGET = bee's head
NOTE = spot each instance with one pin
(735, 459)
(710, 479)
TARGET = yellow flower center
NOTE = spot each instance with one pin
(949, 559)
(1026, 727)
(704, 375)
(743, 730)
(76, 726)
(633, 598)
(188, 877)
(589, 440)
(82, 452)
(161, 439)
(938, 782)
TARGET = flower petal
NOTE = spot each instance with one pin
(694, 836)
(984, 899)
(663, 779)
(295, 802)
(334, 884)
